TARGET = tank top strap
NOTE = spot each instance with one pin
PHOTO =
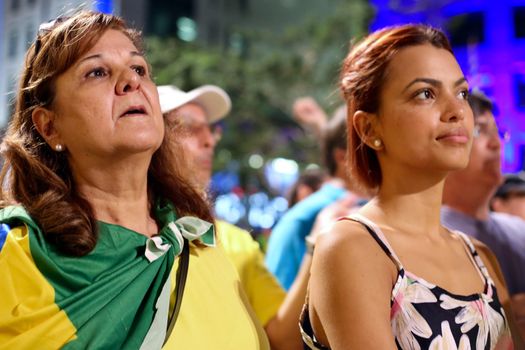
(475, 256)
(378, 236)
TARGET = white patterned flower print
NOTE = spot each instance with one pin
(446, 341)
(406, 321)
(478, 313)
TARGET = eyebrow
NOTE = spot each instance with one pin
(433, 82)
(96, 56)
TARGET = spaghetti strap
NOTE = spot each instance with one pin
(475, 256)
(378, 235)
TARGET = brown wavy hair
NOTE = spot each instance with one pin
(40, 179)
(363, 73)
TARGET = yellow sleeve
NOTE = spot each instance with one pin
(264, 291)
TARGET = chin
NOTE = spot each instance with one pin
(458, 164)
(139, 147)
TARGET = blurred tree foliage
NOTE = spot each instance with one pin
(263, 76)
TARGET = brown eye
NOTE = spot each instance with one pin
(96, 73)
(140, 70)
(464, 94)
(424, 94)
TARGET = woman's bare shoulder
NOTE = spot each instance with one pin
(347, 231)
(350, 284)
(349, 242)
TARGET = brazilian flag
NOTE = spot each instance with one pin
(116, 297)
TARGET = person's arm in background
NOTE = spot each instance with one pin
(496, 274)
(283, 329)
(308, 113)
(286, 248)
(517, 302)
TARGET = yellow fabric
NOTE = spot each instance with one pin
(215, 313)
(29, 317)
(264, 291)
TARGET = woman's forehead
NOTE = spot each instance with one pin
(423, 61)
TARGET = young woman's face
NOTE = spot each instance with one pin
(425, 121)
(106, 105)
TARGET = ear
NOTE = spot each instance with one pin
(367, 127)
(44, 121)
(496, 204)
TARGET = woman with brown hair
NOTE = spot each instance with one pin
(99, 223)
(391, 276)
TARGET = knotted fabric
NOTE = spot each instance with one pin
(189, 227)
(112, 298)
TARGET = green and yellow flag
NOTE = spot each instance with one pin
(116, 297)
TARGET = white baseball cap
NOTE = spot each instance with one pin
(213, 99)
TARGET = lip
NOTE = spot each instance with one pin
(456, 135)
(134, 110)
(207, 163)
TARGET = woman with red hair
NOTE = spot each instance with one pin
(391, 276)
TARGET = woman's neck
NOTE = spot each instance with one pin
(408, 211)
(118, 194)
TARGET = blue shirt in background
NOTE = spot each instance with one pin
(286, 246)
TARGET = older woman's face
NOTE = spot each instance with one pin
(106, 105)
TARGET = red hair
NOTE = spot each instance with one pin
(363, 74)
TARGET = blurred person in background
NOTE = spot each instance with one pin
(196, 114)
(510, 196)
(101, 232)
(287, 245)
(308, 182)
(391, 276)
(466, 200)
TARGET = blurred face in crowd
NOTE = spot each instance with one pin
(513, 204)
(106, 105)
(199, 139)
(484, 167)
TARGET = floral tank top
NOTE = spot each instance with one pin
(426, 316)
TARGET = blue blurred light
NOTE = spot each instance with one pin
(229, 207)
(187, 29)
(281, 173)
(280, 204)
(105, 6)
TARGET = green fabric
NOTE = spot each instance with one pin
(110, 295)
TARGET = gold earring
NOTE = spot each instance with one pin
(377, 143)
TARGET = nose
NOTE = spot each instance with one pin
(208, 138)
(128, 81)
(494, 141)
(455, 109)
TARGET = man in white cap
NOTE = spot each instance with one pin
(197, 111)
